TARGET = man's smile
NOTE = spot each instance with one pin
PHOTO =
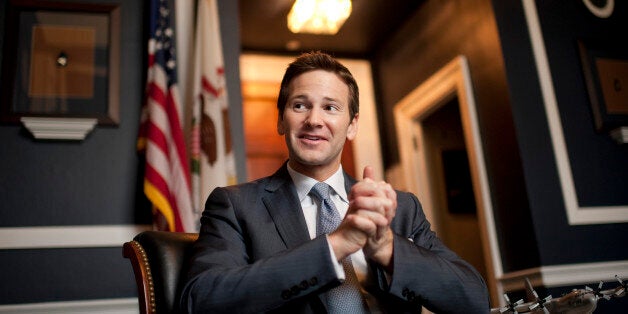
(309, 137)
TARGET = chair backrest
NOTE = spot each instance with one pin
(158, 258)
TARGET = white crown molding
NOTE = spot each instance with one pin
(565, 275)
(59, 128)
(68, 236)
(576, 214)
(103, 306)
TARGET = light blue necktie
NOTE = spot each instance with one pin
(347, 297)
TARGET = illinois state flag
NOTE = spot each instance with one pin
(167, 174)
(213, 162)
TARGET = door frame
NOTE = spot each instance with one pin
(453, 80)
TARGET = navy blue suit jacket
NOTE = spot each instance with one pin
(254, 255)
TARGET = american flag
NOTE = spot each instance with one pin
(167, 175)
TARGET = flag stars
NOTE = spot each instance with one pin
(163, 44)
(171, 64)
(163, 10)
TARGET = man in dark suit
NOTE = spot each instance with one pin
(261, 247)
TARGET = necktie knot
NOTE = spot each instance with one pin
(321, 191)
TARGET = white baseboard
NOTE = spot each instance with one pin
(68, 236)
(105, 306)
(565, 275)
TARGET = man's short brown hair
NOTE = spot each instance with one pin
(318, 61)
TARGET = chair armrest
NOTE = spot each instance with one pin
(134, 251)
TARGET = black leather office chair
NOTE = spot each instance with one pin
(158, 258)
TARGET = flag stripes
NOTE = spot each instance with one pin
(167, 174)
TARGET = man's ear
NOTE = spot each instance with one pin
(280, 129)
(352, 130)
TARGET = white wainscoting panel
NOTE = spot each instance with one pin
(68, 236)
(105, 306)
(566, 275)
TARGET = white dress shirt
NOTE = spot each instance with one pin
(338, 195)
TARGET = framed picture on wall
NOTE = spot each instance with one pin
(605, 70)
(61, 59)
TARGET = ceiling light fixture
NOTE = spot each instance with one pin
(318, 16)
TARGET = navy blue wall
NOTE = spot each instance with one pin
(529, 210)
(79, 183)
(92, 182)
(598, 164)
(530, 216)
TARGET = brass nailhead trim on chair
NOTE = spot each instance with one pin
(149, 276)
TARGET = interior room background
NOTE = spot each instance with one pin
(91, 188)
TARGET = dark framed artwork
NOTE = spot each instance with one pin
(61, 59)
(605, 70)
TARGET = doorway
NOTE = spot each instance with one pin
(453, 203)
(442, 162)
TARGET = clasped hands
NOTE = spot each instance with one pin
(372, 206)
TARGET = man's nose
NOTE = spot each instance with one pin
(315, 116)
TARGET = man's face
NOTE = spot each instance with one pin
(316, 122)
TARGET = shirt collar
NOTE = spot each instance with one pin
(304, 183)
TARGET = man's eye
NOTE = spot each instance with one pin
(331, 108)
(298, 106)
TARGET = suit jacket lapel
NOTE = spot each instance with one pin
(284, 207)
(349, 182)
